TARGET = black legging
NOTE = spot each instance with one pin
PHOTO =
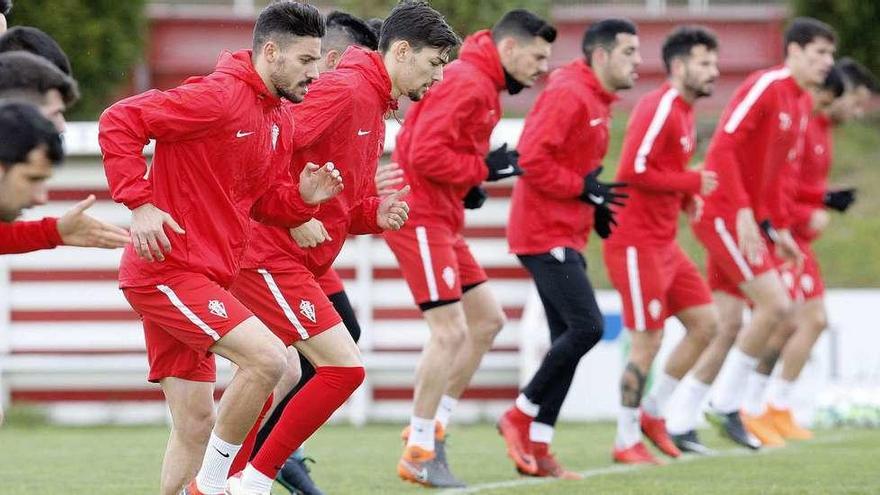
(575, 322)
(343, 307)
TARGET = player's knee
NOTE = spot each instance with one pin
(271, 363)
(585, 339)
(449, 336)
(703, 332)
(195, 427)
(487, 329)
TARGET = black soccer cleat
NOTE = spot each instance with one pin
(689, 442)
(294, 476)
(731, 426)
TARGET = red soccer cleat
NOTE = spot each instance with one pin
(637, 454)
(514, 428)
(548, 466)
(655, 429)
(193, 489)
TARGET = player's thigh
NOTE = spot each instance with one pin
(250, 341)
(728, 268)
(190, 402)
(481, 307)
(730, 313)
(638, 275)
(767, 290)
(333, 347)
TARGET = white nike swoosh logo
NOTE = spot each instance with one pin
(241, 134)
(596, 199)
(595, 122)
(362, 133)
(507, 170)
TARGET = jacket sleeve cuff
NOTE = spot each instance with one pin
(50, 228)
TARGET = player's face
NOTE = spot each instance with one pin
(701, 71)
(527, 61)
(53, 108)
(24, 185)
(623, 61)
(850, 106)
(420, 69)
(294, 67)
(813, 61)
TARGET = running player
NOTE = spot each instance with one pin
(33, 78)
(223, 147)
(555, 204)
(756, 140)
(443, 149)
(31, 39)
(342, 121)
(654, 276)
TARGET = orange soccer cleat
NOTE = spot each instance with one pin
(193, 489)
(514, 428)
(762, 428)
(784, 423)
(655, 429)
(421, 466)
(637, 454)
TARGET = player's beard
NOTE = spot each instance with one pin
(284, 87)
(699, 90)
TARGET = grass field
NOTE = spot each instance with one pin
(126, 460)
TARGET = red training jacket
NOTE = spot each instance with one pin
(443, 143)
(565, 136)
(24, 237)
(756, 141)
(812, 179)
(342, 121)
(657, 147)
(223, 145)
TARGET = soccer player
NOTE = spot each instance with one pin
(755, 142)
(443, 149)
(343, 121)
(555, 204)
(843, 97)
(223, 147)
(654, 276)
(31, 39)
(33, 78)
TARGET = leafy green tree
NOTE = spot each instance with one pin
(103, 38)
(857, 23)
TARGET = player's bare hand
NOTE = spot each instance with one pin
(393, 211)
(819, 220)
(310, 234)
(788, 250)
(319, 183)
(708, 182)
(751, 243)
(148, 232)
(694, 208)
(388, 178)
(78, 229)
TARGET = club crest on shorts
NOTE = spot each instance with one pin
(654, 309)
(307, 309)
(449, 276)
(807, 284)
(217, 308)
(558, 253)
(275, 132)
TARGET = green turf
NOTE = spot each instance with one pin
(126, 460)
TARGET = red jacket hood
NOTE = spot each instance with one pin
(479, 49)
(585, 72)
(371, 65)
(240, 65)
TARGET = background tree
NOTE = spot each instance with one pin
(857, 23)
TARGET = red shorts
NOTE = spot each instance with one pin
(654, 283)
(289, 302)
(726, 267)
(182, 319)
(331, 282)
(435, 262)
(810, 280)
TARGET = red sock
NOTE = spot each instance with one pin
(305, 413)
(519, 417)
(247, 447)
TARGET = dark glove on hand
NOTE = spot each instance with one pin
(502, 163)
(603, 219)
(840, 200)
(475, 198)
(602, 193)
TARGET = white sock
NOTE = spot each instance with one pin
(661, 390)
(780, 393)
(253, 481)
(541, 433)
(628, 433)
(684, 408)
(731, 382)
(421, 433)
(444, 411)
(753, 403)
(526, 406)
(215, 465)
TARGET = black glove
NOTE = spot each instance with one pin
(603, 219)
(769, 231)
(602, 193)
(502, 163)
(475, 198)
(840, 200)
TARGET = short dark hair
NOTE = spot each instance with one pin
(282, 20)
(345, 29)
(5, 6)
(680, 42)
(522, 24)
(24, 128)
(31, 39)
(416, 22)
(604, 34)
(805, 30)
(376, 25)
(856, 74)
(23, 72)
(834, 82)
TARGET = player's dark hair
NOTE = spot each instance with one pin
(5, 6)
(856, 74)
(420, 25)
(805, 30)
(31, 39)
(834, 82)
(376, 25)
(24, 128)
(23, 72)
(282, 20)
(603, 34)
(345, 29)
(680, 42)
(523, 25)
